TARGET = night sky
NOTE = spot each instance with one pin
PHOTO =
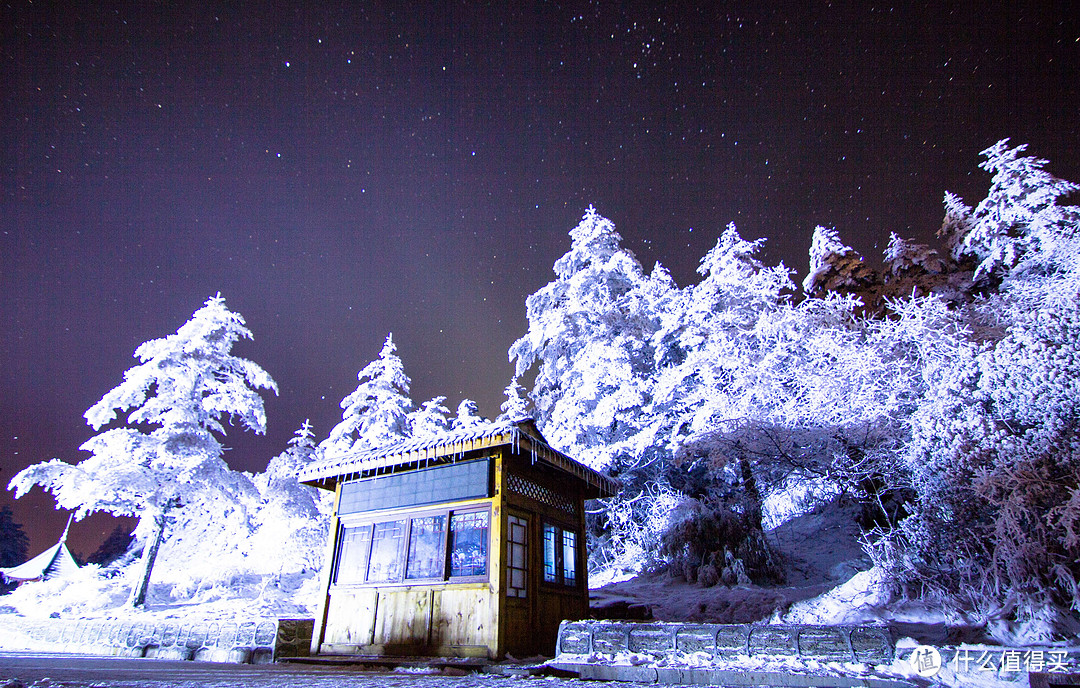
(341, 170)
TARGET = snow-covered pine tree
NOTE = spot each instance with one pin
(468, 415)
(13, 541)
(516, 406)
(905, 259)
(991, 463)
(13, 544)
(589, 331)
(115, 546)
(278, 484)
(432, 418)
(185, 384)
(834, 266)
(994, 465)
(377, 411)
(292, 520)
(1020, 220)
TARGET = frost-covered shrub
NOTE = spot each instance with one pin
(796, 495)
(625, 531)
(717, 545)
(995, 467)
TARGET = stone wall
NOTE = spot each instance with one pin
(255, 641)
(860, 644)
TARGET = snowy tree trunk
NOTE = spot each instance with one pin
(149, 555)
(751, 494)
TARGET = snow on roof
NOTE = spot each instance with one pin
(453, 444)
(55, 562)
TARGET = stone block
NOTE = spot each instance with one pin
(196, 636)
(872, 644)
(245, 634)
(294, 637)
(773, 640)
(227, 638)
(654, 639)
(575, 638)
(731, 640)
(610, 638)
(168, 635)
(265, 634)
(213, 632)
(828, 643)
(149, 634)
(691, 638)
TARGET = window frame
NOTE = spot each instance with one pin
(559, 533)
(371, 520)
(512, 591)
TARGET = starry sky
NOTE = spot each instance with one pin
(341, 170)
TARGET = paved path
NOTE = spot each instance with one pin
(68, 671)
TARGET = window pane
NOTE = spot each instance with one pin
(386, 554)
(569, 557)
(469, 544)
(426, 554)
(550, 550)
(353, 555)
(517, 539)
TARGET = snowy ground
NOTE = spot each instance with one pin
(99, 672)
(820, 551)
(829, 581)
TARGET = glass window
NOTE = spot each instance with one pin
(427, 558)
(560, 555)
(518, 556)
(417, 548)
(386, 541)
(353, 560)
(551, 553)
(569, 557)
(468, 543)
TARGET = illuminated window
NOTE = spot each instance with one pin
(353, 558)
(427, 552)
(417, 548)
(386, 541)
(468, 544)
(569, 557)
(560, 555)
(551, 554)
(518, 556)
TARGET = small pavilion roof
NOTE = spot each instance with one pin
(55, 562)
(420, 452)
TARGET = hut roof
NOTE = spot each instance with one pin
(419, 452)
(55, 562)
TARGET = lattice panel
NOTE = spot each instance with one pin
(527, 488)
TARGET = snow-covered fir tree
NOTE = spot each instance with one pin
(835, 266)
(589, 333)
(377, 411)
(292, 520)
(185, 384)
(906, 260)
(14, 544)
(468, 415)
(1020, 221)
(432, 418)
(516, 406)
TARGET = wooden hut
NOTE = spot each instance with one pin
(469, 543)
